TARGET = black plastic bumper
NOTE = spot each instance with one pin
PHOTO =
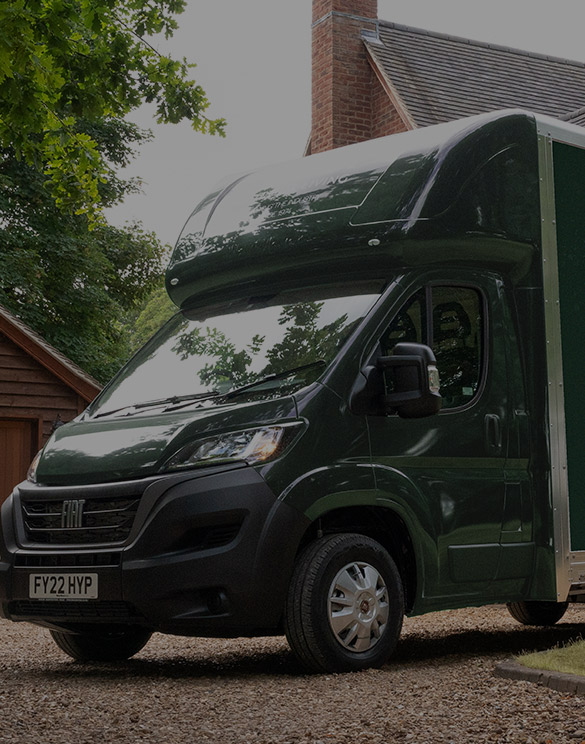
(209, 553)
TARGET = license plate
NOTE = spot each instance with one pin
(63, 586)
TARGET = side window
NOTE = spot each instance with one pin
(457, 342)
(450, 321)
(409, 325)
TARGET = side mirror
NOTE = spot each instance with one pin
(411, 381)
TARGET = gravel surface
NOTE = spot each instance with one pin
(440, 687)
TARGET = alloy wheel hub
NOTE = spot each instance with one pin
(357, 606)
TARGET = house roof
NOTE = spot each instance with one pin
(435, 78)
(48, 356)
(576, 117)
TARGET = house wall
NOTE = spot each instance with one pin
(31, 399)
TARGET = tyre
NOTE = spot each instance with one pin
(112, 643)
(537, 613)
(345, 604)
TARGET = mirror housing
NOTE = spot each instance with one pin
(411, 381)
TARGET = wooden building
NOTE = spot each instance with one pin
(39, 389)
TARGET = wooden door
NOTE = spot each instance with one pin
(17, 449)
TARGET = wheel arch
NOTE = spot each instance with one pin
(379, 522)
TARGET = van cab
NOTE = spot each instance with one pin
(358, 412)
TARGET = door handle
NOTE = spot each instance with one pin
(493, 434)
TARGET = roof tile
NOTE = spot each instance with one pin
(77, 378)
(440, 77)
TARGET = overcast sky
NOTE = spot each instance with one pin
(253, 60)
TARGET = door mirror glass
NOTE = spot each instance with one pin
(411, 381)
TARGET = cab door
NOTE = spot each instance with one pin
(455, 462)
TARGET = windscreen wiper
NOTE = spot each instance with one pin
(274, 376)
(180, 400)
(171, 400)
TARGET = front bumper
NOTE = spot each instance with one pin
(207, 553)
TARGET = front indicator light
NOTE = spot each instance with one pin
(249, 445)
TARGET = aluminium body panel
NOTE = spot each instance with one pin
(562, 157)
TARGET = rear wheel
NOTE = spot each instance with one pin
(537, 613)
(345, 604)
(112, 643)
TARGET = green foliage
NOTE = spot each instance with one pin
(70, 70)
(71, 284)
(566, 659)
(149, 317)
(66, 61)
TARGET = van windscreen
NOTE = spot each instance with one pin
(267, 348)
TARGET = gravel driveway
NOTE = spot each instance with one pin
(439, 688)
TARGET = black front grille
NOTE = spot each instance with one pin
(90, 610)
(79, 521)
(67, 560)
(217, 537)
(208, 537)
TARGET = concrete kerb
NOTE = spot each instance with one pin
(569, 683)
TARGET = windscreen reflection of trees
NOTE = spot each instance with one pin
(304, 342)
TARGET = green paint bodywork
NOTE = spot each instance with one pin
(456, 204)
(569, 177)
(424, 196)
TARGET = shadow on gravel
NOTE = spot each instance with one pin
(416, 648)
(419, 648)
(237, 664)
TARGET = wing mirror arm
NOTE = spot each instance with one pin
(366, 395)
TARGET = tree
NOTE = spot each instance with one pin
(149, 317)
(70, 70)
(73, 285)
(64, 63)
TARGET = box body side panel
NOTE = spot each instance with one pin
(569, 185)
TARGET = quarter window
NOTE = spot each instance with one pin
(450, 321)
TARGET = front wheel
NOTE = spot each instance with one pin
(537, 613)
(345, 604)
(110, 643)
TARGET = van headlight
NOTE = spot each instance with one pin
(31, 475)
(248, 445)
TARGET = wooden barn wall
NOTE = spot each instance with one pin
(29, 391)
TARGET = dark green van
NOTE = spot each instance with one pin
(368, 405)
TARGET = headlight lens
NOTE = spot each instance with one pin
(249, 445)
(32, 470)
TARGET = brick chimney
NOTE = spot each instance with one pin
(348, 102)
